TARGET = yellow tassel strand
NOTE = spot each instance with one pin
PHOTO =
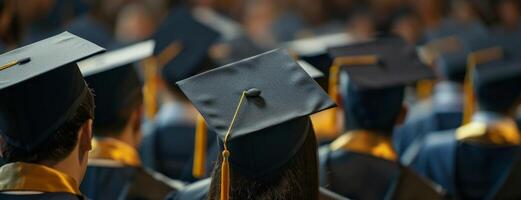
(476, 58)
(201, 134)
(150, 87)
(225, 166)
(225, 176)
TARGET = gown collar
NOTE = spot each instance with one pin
(366, 142)
(20, 176)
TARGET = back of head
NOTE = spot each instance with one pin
(59, 144)
(118, 94)
(295, 179)
(498, 86)
(372, 109)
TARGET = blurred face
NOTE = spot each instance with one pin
(509, 14)
(409, 28)
(134, 24)
(464, 11)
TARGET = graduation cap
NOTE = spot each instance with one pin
(381, 63)
(41, 88)
(182, 44)
(258, 107)
(115, 80)
(310, 69)
(497, 84)
(377, 70)
(474, 59)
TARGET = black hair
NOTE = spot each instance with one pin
(58, 145)
(122, 117)
(296, 179)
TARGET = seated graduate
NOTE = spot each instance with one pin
(181, 51)
(361, 163)
(114, 169)
(447, 104)
(46, 113)
(260, 109)
(470, 160)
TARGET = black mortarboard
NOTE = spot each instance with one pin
(41, 87)
(497, 84)
(396, 63)
(272, 122)
(452, 65)
(377, 70)
(115, 80)
(182, 44)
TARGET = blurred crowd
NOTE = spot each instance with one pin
(264, 23)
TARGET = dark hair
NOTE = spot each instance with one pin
(296, 179)
(58, 145)
(115, 126)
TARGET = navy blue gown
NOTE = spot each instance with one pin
(356, 175)
(104, 182)
(465, 170)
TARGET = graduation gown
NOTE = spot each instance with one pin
(200, 189)
(114, 172)
(358, 165)
(36, 182)
(465, 163)
(446, 114)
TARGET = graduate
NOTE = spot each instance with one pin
(46, 113)
(361, 163)
(447, 102)
(115, 169)
(448, 56)
(259, 107)
(181, 51)
(469, 161)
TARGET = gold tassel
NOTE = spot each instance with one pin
(150, 87)
(476, 58)
(225, 165)
(225, 176)
(334, 71)
(201, 134)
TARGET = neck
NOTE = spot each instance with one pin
(73, 165)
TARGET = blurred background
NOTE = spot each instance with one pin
(262, 23)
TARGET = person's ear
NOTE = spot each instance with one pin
(402, 116)
(85, 136)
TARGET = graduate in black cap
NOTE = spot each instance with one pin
(362, 163)
(182, 45)
(46, 113)
(115, 169)
(448, 102)
(469, 161)
(260, 110)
